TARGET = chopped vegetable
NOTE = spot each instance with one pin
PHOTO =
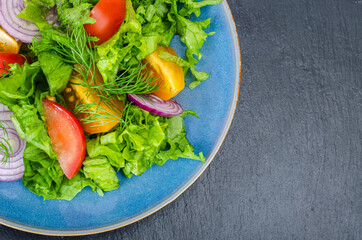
(156, 105)
(170, 75)
(109, 15)
(8, 43)
(13, 167)
(67, 136)
(128, 41)
(9, 58)
(18, 28)
(97, 115)
(150, 139)
(56, 71)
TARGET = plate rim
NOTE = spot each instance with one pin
(182, 189)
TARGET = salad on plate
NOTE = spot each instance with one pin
(87, 88)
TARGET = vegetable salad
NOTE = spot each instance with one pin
(91, 91)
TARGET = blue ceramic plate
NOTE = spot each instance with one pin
(215, 102)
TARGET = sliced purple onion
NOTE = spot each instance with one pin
(156, 105)
(18, 28)
(13, 169)
(8, 178)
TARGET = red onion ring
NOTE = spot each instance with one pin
(18, 28)
(5, 115)
(15, 177)
(156, 105)
(13, 169)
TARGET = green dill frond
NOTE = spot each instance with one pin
(136, 80)
(98, 113)
(126, 118)
(73, 47)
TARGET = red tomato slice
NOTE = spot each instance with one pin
(68, 139)
(9, 58)
(109, 15)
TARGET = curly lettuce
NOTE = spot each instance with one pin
(151, 23)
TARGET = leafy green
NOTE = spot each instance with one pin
(101, 172)
(149, 24)
(178, 144)
(75, 13)
(20, 84)
(69, 188)
(71, 13)
(143, 138)
(36, 11)
(17, 92)
(29, 126)
(193, 36)
(194, 7)
(147, 139)
(150, 139)
(110, 150)
(140, 139)
(44, 177)
(56, 71)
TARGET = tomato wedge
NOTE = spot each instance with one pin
(170, 76)
(8, 43)
(76, 93)
(9, 58)
(67, 137)
(109, 15)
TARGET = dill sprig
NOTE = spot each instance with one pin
(5, 146)
(98, 113)
(133, 80)
(73, 47)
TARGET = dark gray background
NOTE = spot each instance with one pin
(291, 165)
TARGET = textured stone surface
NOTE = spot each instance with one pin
(291, 165)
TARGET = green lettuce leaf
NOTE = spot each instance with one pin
(29, 126)
(194, 7)
(75, 13)
(111, 151)
(150, 139)
(152, 23)
(70, 12)
(20, 84)
(101, 172)
(17, 92)
(56, 71)
(69, 188)
(178, 145)
(36, 11)
(143, 138)
(44, 177)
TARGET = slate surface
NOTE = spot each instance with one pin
(291, 165)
